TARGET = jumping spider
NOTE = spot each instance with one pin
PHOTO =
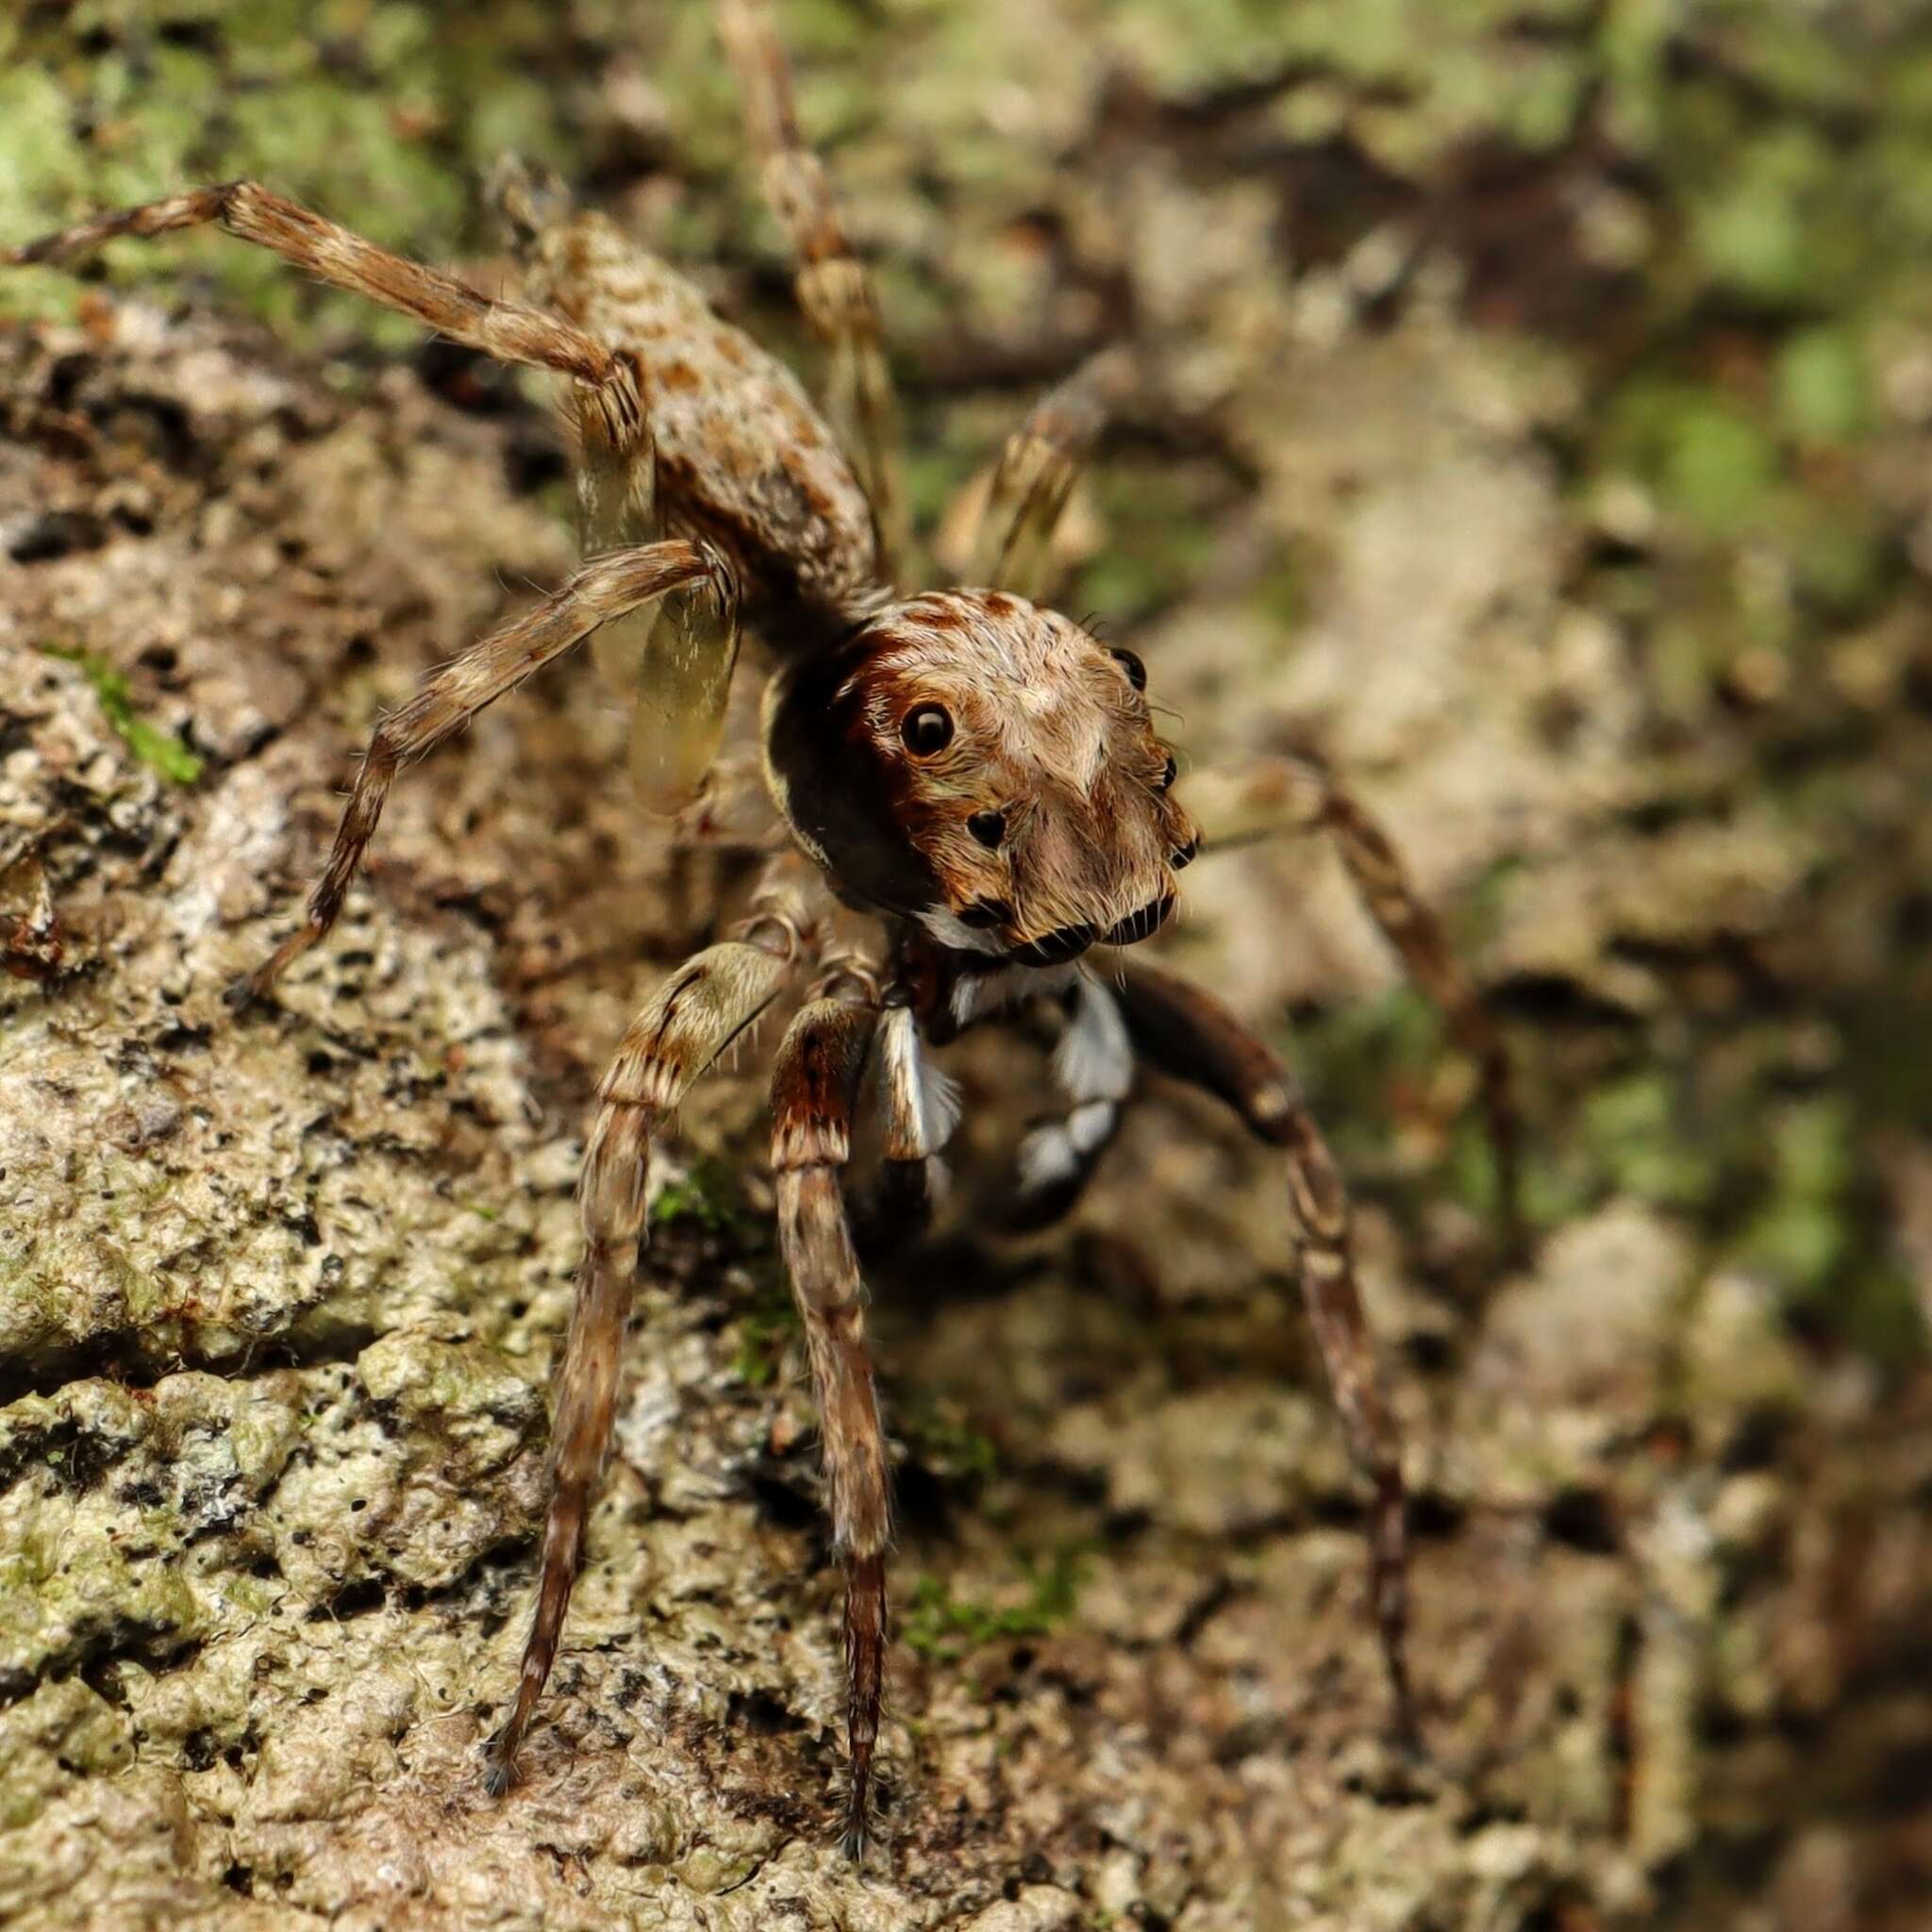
(970, 773)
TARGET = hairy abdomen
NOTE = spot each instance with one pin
(743, 457)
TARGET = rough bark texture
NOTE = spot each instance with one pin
(1606, 583)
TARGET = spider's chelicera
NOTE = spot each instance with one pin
(973, 787)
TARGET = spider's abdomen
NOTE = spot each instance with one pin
(743, 458)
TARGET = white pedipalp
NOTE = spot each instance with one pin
(922, 1102)
(1095, 1059)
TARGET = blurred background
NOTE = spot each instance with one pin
(1539, 421)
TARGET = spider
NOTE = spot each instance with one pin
(974, 789)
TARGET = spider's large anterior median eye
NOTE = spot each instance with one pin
(927, 730)
(1130, 663)
(988, 828)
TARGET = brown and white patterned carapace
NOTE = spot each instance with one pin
(971, 767)
(982, 766)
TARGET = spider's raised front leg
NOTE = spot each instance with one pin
(1035, 474)
(814, 1094)
(606, 588)
(344, 261)
(695, 1016)
(834, 288)
(1185, 1033)
(1275, 795)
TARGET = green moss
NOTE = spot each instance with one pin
(947, 1440)
(765, 1328)
(1756, 227)
(1822, 389)
(939, 1625)
(160, 751)
(701, 1199)
(1638, 1130)
(1160, 530)
(380, 116)
(1706, 456)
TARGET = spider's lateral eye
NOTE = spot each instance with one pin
(1129, 662)
(927, 730)
(988, 828)
(1169, 772)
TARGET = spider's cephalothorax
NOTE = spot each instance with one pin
(967, 767)
(984, 766)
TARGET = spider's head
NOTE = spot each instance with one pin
(986, 767)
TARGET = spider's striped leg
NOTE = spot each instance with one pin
(1093, 1067)
(704, 1005)
(1184, 1032)
(344, 261)
(1274, 795)
(814, 1095)
(834, 288)
(603, 588)
(1035, 474)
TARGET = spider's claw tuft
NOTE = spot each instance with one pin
(260, 983)
(500, 1775)
(246, 990)
(855, 1840)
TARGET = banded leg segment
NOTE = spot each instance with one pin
(814, 1095)
(1276, 795)
(1185, 1033)
(344, 261)
(606, 588)
(1035, 473)
(834, 288)
(704, 1007)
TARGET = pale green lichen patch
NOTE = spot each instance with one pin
(63, 1733)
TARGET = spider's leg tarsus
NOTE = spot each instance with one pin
(1190, 1036)
(692, 1019)
(814, 1096)
(1036, 472)
(343, 259)
(606, 587)
(1296, 794)
(834, 288)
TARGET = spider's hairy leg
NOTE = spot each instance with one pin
(704, 1005)
(1093, 1067)
(606, 588)
(1192, 1037)
(1036, 472)
(1274, 795)
(834, 288)
(344, 261)
(814, 1095)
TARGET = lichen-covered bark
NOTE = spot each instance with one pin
(1615, 609)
